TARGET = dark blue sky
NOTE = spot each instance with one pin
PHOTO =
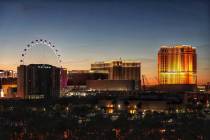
(87, 31)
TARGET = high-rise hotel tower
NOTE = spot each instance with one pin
(120, 70)
(177, 65)
(38, 81)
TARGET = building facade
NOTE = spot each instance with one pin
(7, 74)
(111, 85)
(38, 81)
(8, 87)
(208, 86)
(177, 65)
(80, 77)
(63, 78)
(120, 70)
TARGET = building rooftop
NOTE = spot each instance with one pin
(177, 46)
(111, 61)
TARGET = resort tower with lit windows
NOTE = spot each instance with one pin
(177, 68)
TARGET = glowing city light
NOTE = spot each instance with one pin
(177, 65)
(2, 93)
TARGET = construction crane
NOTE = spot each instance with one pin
(158, 86)
(156, 79)
(144, 82)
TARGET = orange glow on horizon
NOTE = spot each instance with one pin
(148, 68)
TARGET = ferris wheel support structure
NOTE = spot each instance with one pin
(40, 43)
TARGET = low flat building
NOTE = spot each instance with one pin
(8, 87)
(177, 88)
(111, 85)
(7, 74)
(9, 91)
(80, 77)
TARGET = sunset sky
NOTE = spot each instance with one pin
(89, 31)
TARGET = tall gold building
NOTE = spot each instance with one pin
(120, 70)
(177, 65)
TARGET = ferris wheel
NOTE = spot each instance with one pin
(40, 43)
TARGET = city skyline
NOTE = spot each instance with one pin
(98, 31)
(110, 69)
